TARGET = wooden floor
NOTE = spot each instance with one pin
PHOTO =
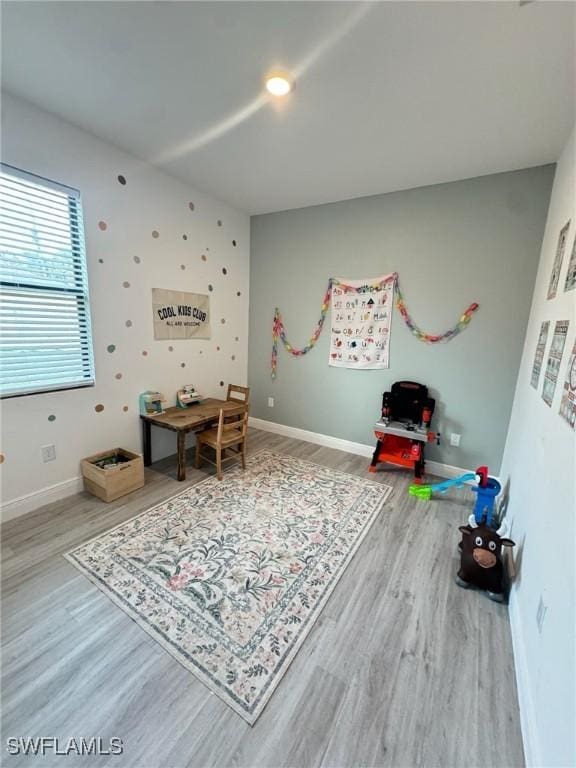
(402, 668)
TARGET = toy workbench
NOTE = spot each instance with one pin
(404, 428)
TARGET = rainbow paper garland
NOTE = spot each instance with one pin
(428, 337)
(278, 330)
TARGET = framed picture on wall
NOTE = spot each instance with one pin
(554, 360)
(557, 266)
(539, 355)
(568, 402)
(570, 283)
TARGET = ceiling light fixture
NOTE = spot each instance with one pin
(279, 84)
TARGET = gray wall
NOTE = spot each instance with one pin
(473, 240)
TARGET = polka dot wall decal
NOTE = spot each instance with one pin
(118, 376)
(221, 383)
(204, 257)
(51, 417)
(111, 348)
(219, 222)
(238, 293)
(125, 408)
(236, 338)
(102, 226)
(233, 357)
(191, 206)
(184, 237)
(182, 266)
(223, 321)
(137, 259)
(2, 458)
(217, 349)
(234, 243)
(99, 408)
(122, 180)
(144, 353)
(126, 284)
(182, 365)
(224, 271)
(155, 234)
(170, 349)
(210, 287)
(100, 261)
(128, 323)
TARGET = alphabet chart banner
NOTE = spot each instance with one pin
(361, 318)
(180, 315)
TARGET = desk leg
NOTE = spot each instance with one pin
(147, 442)
(181, 455)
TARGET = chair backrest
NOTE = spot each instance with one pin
(233, 419)
(238, 394)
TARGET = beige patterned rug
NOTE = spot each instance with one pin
(230, 576)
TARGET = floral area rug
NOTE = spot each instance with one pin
(230, 576)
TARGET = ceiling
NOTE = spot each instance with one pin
(388, 96)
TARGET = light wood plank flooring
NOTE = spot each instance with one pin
(402, 668)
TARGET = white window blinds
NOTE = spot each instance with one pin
(45, 336)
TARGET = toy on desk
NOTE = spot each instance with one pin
(481, 563)
(151, 403)
(404, 429)
(187, 396)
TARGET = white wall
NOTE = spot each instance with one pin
(40, 143)
(540, 463)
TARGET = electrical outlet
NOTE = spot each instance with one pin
(48, 453)
(455, 439)
(270, 402)
(541, 614)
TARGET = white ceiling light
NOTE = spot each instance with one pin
(278, 84)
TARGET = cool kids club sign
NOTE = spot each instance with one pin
(180, 315)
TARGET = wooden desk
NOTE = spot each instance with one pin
(182, 421)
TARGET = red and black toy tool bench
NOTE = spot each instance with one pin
(404, 429)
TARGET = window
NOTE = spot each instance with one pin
(45, 336)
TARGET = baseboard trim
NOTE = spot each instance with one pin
(31, 501)
(528, 722)
(339, 444)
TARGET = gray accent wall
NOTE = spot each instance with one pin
(472, 240)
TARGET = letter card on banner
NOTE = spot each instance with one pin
(180, 315)
(361, 317)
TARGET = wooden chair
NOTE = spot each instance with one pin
(239, 394)
(229, 435)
